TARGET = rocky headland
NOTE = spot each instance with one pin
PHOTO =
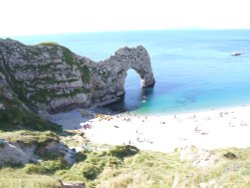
(49, 77)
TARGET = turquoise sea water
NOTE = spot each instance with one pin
(193, 69)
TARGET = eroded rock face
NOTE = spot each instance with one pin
(10, 153)
(49, 77)
(17, 153)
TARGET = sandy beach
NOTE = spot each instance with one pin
(210, 129)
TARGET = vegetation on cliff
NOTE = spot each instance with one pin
(29, 138)
(14, 116)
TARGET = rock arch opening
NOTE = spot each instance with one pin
(109, 83)
(134, 93)
(132, 86)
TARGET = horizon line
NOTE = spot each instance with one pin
(121, 31)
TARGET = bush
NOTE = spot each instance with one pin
(45, 167)
(34, 169)
(90, 171)
(230, 155)
(123, 151)
(80, 156)
(52, 166)
(85, 170)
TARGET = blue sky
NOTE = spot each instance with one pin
(33, 17)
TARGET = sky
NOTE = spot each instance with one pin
(38, 17)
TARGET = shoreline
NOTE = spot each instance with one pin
(209, 129)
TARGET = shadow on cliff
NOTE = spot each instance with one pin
(128, 103)
(76, 118)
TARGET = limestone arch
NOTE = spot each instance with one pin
(113, 72)
(137, 59)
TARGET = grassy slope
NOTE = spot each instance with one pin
(12, 177)
(156, 170)
(122, 167)
(29, 137)
(16, 117)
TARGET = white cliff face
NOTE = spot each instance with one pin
(49, 77)
(16, 153)
(10, 153)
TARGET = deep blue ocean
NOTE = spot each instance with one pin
(194, 70)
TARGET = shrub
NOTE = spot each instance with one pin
(34, 169)
(80, 156)
(85, 170)
(45, 167)
(53, 165)
(94, 158)
(90, 171)
(123, 151)
(230, 155)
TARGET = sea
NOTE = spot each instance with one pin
(194, 69)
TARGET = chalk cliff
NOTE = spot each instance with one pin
(49, 77)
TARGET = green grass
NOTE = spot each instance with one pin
(45, 167)
(27, 137)
(15, 178)
(68, 56)
(150, 169)
(49, 43)
(15, 117)
(85, 74)
(123, 151)
(80, 156)
(126, 166)
(81, 172)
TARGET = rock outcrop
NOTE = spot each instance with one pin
(23, 147)
(49, 77)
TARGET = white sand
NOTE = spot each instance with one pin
(218, 128)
